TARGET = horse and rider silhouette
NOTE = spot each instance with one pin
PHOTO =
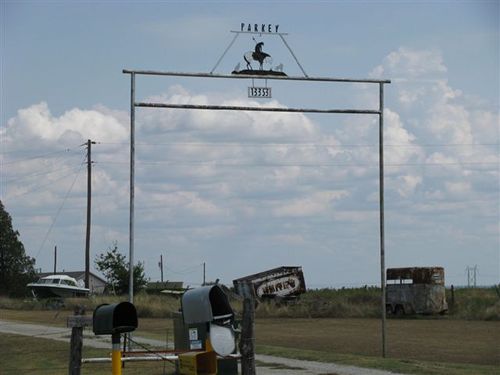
(257, 55)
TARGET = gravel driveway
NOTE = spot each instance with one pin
(266, 365)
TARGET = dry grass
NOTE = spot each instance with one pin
(443, 340)
(472, 342)
(38, 356)
(470, 304)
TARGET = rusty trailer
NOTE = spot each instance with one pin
(416, 290)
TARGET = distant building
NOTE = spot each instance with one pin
(97, 284)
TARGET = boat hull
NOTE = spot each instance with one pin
(55, 291)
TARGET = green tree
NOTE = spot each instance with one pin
(16, 268)
(115, 268)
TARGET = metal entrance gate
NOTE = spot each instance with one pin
(379, 112)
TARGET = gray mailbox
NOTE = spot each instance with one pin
(114, 319)
(207, 324)
(205, 305)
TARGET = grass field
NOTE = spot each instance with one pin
(340, 326)
(37, 356)
(452, 341)
(414, 346)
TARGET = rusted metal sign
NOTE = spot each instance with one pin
(283, 282)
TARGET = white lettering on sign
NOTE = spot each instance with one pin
(279, 287)
(259, 27)
(259, 92)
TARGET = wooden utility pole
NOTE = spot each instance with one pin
(89, 201)
(55, 259)
(204, 280)
(161, 267)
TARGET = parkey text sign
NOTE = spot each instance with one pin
(259, 27)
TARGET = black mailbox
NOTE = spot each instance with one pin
(115, 318)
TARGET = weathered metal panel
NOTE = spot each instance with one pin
(281, 282)
(419, 275)
(416, 290)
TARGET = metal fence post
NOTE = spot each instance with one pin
(382, 236)
(132, 188)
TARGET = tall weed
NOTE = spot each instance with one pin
(467, 304)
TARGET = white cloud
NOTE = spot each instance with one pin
(402, 141)
(407, 62)
(289, 239)
(188, 200)
(408, 184)
(317, 203)
(236, 125)
(37, 123)
(460, 188)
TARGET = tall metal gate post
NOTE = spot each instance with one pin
(132, 187)
(381, 191)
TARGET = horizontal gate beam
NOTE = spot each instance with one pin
(255, 76)
(259, 109)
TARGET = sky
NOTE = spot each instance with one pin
(242, 192)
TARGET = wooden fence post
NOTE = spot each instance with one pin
(76, 323)
(247, 341)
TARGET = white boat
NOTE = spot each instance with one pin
(57, 286)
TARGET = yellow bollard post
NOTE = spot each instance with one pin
(116, 355)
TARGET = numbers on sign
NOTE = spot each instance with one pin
(259, 92)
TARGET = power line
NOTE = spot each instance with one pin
(38, 187)
(45, 172)
(275, 144)
(59, 210)
(37, 156)
(237, 165)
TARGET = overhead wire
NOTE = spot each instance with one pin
(237, 165)
(36, 156)
(59, 209)
(38, 187)
(305, 144)
(44, 172)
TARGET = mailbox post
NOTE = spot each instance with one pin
(114, 320)
(116, 354)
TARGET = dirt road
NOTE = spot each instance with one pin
(267, 365)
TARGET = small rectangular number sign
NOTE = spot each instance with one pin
(259, 92)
